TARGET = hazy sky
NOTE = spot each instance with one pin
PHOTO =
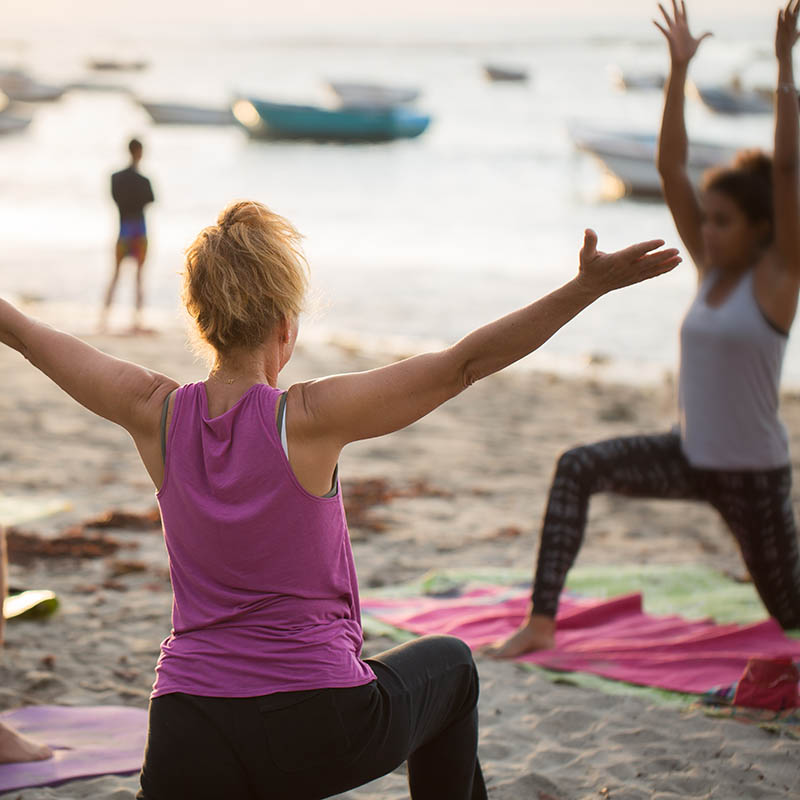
(101, 11)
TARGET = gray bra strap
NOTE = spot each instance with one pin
(164, 411)
(281, 414)
(281, 411)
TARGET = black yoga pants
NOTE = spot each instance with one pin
(755, 505)
(313, 744)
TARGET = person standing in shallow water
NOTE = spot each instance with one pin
(261, 691)
(730, 448)
(131, 192)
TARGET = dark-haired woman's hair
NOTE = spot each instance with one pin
(748, 182)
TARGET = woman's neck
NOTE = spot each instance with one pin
(237, 371)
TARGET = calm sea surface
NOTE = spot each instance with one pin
(414, 240)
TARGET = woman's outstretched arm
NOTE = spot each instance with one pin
(328, 413)
(673, 142)
(118, 390)
(786, 159)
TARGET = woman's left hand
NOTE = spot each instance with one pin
(786, 34)
(600, 272)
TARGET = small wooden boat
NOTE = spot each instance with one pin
(496, 72)
(22, 88)
(98, 86)
(12, 124)
(180, 114)
(372, 95)
(34, 93)
(264, 119)
(630, 80)
(115, 65)
(733, 100)
(631, 157)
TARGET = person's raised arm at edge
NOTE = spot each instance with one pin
(786, 159)
(673, 143)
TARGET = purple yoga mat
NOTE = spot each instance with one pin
(613, 638)
(86, 740)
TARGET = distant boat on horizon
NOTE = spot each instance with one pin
(116, 65)
(507, 72)
(183, 114)
(631, 157)
(631, 80)
(267, 120)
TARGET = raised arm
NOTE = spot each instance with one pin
(786, 160)
(673, 142)
(328, 413)
(118, 390)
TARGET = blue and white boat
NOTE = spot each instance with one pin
(263, 119)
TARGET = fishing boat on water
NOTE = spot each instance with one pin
(265, 119)
(182, 114)
(116, 65)
(631, 157)
(352, 94)
(734, 100)
(635, 80)
(9, 123)
(12, 124)
(20, 87)
(505, 73)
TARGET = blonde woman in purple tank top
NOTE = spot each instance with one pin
(730, 448)
(261, 691)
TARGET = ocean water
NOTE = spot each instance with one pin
(411, 242)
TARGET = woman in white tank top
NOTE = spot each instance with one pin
(730, 448)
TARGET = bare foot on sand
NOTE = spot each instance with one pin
(536, 633)
(14, 747)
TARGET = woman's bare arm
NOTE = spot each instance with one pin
(673, 142)
(118, 390)
(328, 413)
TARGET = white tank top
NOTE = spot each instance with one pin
(728, 392)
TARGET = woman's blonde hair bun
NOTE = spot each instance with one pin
(243, 276)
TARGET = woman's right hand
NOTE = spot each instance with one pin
(786, 34)
(600, 272)
(682, 45)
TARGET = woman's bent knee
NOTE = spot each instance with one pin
(571, 461)
(450, 649)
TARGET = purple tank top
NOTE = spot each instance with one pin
(265, 597)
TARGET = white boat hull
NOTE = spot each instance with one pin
(9, 124)
(176, 114)
(33, 92)
(372, 95)
(632, 157)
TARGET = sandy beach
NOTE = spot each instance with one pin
(471, 482)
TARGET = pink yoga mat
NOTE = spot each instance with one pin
(87, 741)
(613, 638)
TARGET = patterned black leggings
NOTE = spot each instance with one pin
(755, 505)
